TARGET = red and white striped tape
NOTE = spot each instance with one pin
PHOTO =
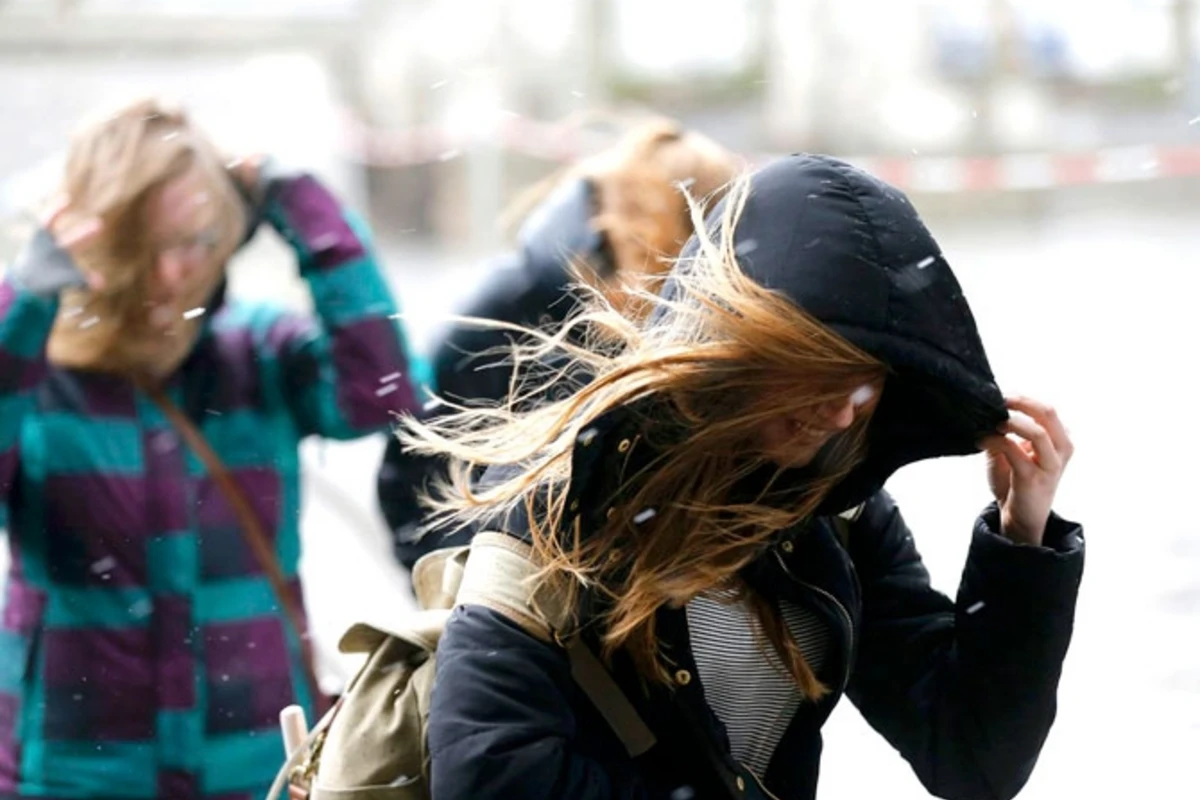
(922, 174)
(1032, 171)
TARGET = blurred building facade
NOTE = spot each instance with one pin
(434, 112)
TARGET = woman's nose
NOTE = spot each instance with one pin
(842, 415)
(172, 268)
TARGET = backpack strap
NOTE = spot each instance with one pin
(502, 575)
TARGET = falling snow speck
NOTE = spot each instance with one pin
(925, 262)
(576, 93)
(103, 565)
(170, 135)
(746, 247)
(391, 377)
(587, 437)
(449, 155)
(431, 405)
(975, 608)
(385, 390)
(193, 313)
(89, 322)
(72, 312)
(1194, 121)
(325, 241)
(645, 515)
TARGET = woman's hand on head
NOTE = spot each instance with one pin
(74, 233)
(1026, 460)
(247, 173)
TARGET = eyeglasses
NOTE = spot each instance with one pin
(199, 245)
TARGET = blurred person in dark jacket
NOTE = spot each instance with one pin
(613, 222)
(710, 508)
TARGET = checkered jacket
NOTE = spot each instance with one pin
(142, 652)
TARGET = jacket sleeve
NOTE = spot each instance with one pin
(28, 308)
(965, 690)
(501, 724)
(401, 477)
(346, 373)
(471, 362)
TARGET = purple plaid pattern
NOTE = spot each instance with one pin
(178, 783)
(224, 552)
(19, 374)
(175, 643)
(100, 542)
(316, 219)
(238, 384)
(369, 342)
(134, 618)
(10, 748)
(100, 685)
(107, 395)
(248, 677)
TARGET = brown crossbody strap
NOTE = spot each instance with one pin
(252, 530)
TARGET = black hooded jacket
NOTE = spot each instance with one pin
(530, 288)
(964, 689)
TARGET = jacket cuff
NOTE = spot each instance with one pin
(43, 268)
(1047, 576)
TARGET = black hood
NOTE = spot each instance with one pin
(851, 251)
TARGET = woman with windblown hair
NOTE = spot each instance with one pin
(711, 503)
(143, 650)
(614, 220)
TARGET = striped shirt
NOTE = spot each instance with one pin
(142, 651)
(744, 680)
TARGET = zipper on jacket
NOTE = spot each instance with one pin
(759, 783)
(841, 609)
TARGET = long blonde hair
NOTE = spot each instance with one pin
(113, 168)
(640, 183)
(719, 355)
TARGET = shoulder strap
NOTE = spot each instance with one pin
(501, 575)
(251, 527)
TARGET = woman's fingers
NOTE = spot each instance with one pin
(1044, 452)
(95, 280)
(1045, 415)
(80, 235)
(1012, 453)
(55, 211)
(77, 234)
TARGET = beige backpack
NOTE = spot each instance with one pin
(371, 745)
